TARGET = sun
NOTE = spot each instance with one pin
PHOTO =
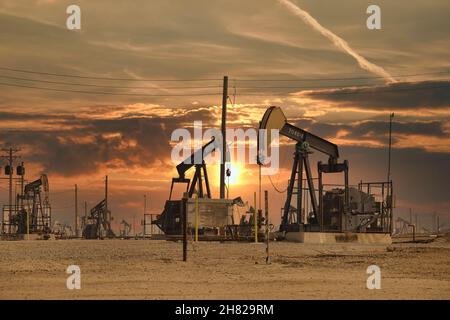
(235, 170)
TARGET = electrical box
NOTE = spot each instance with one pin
(8, 170)
(20, 170)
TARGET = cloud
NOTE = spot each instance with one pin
(432, 136)
(393, 96)
(80, 145)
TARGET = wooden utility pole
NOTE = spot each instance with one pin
(391, 116)
(10, 160)
(85, 217)
(433, 226)
(224, 137)
(10, 157)
(184, 224)
(255, 218)
(196, 218)
(106, 193)
(145, 211)
(22, 180)
(145, 204)
(266, 209)
(416, 222)
(76, 211)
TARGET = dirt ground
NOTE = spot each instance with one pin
(145, 269)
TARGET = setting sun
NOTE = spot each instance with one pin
(236, 171)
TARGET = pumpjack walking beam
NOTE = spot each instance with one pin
(200, 168)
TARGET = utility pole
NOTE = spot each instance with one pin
(106, 193)
(255, 218)
(266, 209)
(224, 139)
(260, 194)
(145, 204)
(391, 116)
(410, 216)
(389, 191)
(76, 211)
(21, 185)
(85, 216)
(438, 226)
(145, 211)
(184, 224)
(416, 223)
(10, 160)
(10, 157)
(433, 226)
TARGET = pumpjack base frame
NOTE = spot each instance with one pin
(339, 237)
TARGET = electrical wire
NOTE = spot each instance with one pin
(110, 93)
(252, 93)
(101, 78)
(219, 93)
(216, 79)
(273, 185)
(103, 86)
(170, 88)
(352, 92)
(341, 79)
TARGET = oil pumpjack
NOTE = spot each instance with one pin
(345, 209)
(170, 220)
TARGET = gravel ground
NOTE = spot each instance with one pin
(145, 269)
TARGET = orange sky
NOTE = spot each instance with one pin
(78, 137)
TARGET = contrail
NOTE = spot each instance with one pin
(337, 41)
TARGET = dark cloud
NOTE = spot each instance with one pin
(376, 130)
(393, 96)
(81, 145)
(419, 176)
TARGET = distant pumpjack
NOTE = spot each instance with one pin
(35, 211)
(97, 224)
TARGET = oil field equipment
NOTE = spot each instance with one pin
(32, 211)
(367, 208)
(125, 232)
(213, 213)
(200, 174)
(97, 225)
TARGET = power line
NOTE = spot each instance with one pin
(339, 79)
(216, 94)
(100, 78)
(276, 189)
(306, 87)
(177, 87)
(352, 92)
(214, 79)
(111, 93)
(103, 86)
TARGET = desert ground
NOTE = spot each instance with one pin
(151, 269)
